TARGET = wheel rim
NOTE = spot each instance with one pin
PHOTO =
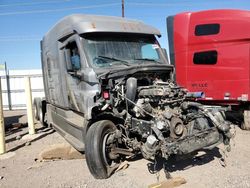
(106, 150)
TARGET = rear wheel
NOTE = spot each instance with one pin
(37, 108)
(42, 113)
(98, 149)
(40, 110)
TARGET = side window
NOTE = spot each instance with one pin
(72, 57)
(148, 51)
(207, 29)
(205, 58)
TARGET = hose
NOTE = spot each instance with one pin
(221, 126)
(136, 105)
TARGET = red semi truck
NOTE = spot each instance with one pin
(211, 53)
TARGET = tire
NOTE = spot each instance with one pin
(246, 124)
(42, 113)
(37, 108)
(40, 110)
(95, 149)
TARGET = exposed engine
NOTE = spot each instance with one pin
(158, 117)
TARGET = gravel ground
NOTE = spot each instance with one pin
(205, 170)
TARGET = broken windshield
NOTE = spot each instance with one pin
(108, 50)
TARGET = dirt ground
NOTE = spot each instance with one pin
(206, 170)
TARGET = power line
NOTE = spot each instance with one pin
(18, 36)
(155, 4)
(88, 7)
(59, 10)
(20, 39)
(183, 3)
(33, 3)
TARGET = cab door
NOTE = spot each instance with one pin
(73, 61)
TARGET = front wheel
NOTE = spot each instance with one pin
(98, 149)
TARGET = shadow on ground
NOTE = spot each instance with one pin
(12, 119)
(14, 128)
(14, 122)
(176, 163)
(44, 131)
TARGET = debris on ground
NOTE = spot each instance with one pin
(12, 127)
(122, 166)
(27, 143)
(17, 125)
(37, 165)
(59, 151)
(18, 137)
(173, 182)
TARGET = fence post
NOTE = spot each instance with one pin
(30, 115)
(2, 129)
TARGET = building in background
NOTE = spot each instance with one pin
(13, 86)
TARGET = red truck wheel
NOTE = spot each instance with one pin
(246, 124)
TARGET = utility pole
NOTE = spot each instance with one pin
(123, 8)
(2, 129)
(7, 77)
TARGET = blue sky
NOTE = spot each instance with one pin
(24, 22)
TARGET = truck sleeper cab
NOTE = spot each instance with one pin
(110, 93)
(210, 51)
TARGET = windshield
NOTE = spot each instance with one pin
(106, 50)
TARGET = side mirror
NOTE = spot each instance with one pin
(88, 75)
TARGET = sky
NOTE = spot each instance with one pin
(23, 23)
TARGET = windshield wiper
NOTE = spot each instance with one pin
(147, 59)
(115, 59)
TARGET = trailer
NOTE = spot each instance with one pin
(211, 54)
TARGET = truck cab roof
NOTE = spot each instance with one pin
(81, 23)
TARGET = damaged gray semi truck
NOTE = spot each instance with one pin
(110, 93)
